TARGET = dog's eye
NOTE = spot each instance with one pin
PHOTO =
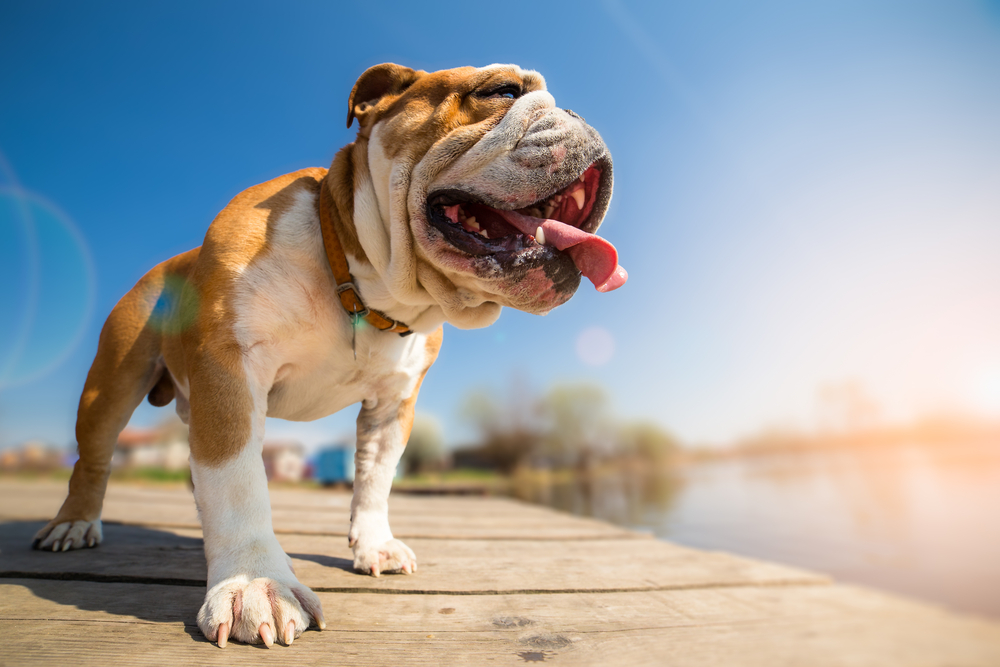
(508, 91)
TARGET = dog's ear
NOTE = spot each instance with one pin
(376, 83)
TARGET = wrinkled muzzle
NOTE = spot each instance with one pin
(522, 204)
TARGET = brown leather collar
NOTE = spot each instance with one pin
(350, 299)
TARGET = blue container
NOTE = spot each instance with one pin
(335, 464)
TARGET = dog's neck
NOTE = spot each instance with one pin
(382, 257)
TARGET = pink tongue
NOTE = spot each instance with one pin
(595, 257)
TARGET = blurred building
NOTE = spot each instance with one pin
(32, 455)
(163, 447)
(284, 461)
(335, 464)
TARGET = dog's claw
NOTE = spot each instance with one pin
(375, 572)
(55, 546)
(267, 634)
(223, 636)
(289, 633)
(91, 542)
(67, 544)
(320, 621)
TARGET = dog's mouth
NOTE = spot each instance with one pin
(562, 222)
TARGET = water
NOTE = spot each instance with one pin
(923, 521)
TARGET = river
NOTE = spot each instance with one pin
(923, 521)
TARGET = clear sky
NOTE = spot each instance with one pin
(807, 193)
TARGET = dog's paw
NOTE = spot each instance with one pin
(65, 535)
(259, 610)
(391, 556)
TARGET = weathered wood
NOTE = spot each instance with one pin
(325, 513)
(577, 592)
(494, 566)
(50, 622)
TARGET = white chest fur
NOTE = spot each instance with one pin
(297, 339)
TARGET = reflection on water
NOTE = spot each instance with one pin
(626, 497)
(922, 521)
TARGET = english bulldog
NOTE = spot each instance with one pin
(466, 190)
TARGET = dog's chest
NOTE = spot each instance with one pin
(329, 378)
(299, 342)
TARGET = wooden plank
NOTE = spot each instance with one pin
(51, 493)
(319, 513)
(455, 566)
(84, 623)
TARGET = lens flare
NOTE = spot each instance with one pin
(48, 284)
(175, 306)
(595, 346)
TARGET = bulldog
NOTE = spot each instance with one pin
(466, 190)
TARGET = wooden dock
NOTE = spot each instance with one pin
(500, 583)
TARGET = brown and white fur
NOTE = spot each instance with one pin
(249, 325)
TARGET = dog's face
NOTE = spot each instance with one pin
(473, 162)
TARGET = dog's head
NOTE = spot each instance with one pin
(497, 191)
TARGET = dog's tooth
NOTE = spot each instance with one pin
(482, 232)
(579, 196)
(540, 235)
(471, 222)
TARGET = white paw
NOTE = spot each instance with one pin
(67, 535)
(258, 610)
(391, 556)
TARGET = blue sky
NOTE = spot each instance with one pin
(806, 193)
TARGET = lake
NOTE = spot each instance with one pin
(923, 521)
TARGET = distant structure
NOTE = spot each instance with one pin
(161, 447)
(33, 455)
(335, 465)
(284, 461)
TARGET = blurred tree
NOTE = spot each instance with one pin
(509, 428)
(646, 441)
(572, 426)
(579, 425)
(425, 448)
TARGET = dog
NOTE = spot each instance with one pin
(466, 190)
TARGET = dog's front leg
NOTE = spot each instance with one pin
(253, 595)
(383, 430)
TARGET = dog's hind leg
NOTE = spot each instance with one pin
(128, 365)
